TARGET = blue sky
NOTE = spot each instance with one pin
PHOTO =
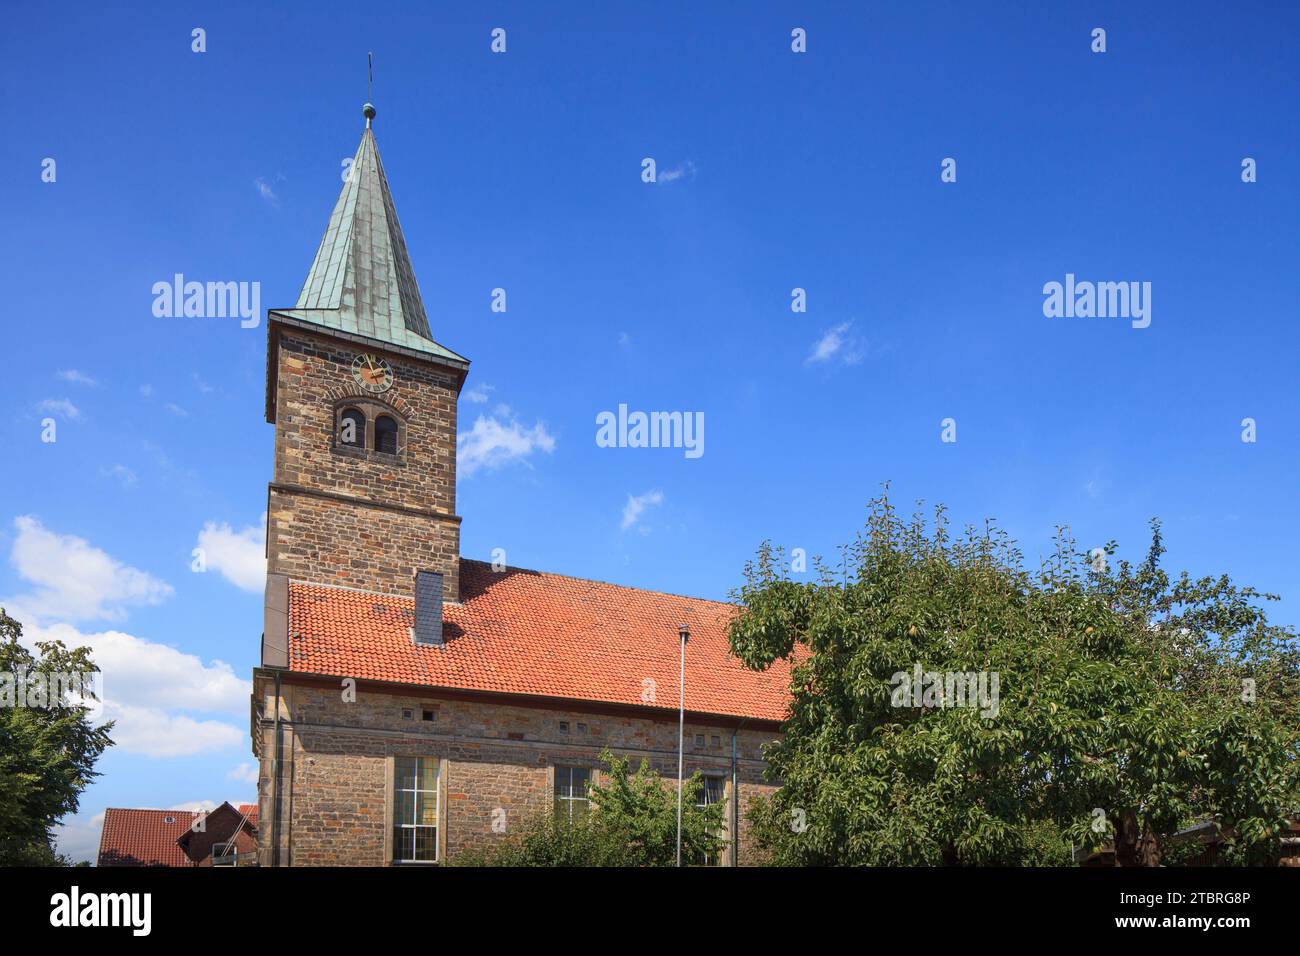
(522, 171)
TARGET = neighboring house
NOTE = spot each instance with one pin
(226, 836)
(410, 703)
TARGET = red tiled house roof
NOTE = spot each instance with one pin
(536, 634)
(144, 837)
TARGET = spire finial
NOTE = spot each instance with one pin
(368, 109)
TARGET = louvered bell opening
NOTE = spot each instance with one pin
(386, 435)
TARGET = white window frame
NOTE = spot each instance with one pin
(570, 800)
(415, 810)
(231, 853)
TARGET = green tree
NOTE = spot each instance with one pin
(633, 822)
(1129, 704)
(47, 752)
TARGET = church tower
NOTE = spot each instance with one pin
(364, 406)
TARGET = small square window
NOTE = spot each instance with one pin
(582, 728)
(699, 740)
(430, 715)
(564, 726)
(716, 741)
(408, 714)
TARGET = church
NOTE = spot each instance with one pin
(412, 703)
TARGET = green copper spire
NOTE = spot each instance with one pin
(361, 281)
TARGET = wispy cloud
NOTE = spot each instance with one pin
(836, 343)
(122, 473)
(266, 191)
(244, 773)
(75, 377)
(201, 385)
(685, 170)
(60, 406)
(478, 393)
(637, 504)
(498, 440)
(176, 410)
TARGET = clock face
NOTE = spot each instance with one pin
(372, 373)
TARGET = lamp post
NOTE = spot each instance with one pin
(685, 636)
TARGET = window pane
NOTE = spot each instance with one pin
(426, 844)
(403, 807)
(428, 773)
(428, 809)
(406, 772)
(403, 843)
(581, 778)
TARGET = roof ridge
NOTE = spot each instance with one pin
(610, 584)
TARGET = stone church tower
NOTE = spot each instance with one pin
(364, 406)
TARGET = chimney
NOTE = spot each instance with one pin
(428, 608)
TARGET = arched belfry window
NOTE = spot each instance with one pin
(352, 428)
(386, 435)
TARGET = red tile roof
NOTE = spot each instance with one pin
(249, 811)
(537, 634)
(144, 837)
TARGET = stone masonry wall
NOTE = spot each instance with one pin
(497, 764)
(362, 518)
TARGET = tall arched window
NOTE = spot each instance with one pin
(352, 428)
(386, 435)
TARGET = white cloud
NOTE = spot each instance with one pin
(176, 410)
(636, 504)
(677, 172)
(122, 473)
(156, 733)
(138, 673)
(495, 441)
(60, 406)
(77, 378)
(240, 556)
(78, 837)
(146, 391)
(144, 685)
(74, 580)
(201, 385)
(265, 190)
(194, 806)
(244, 773)
(836, 341)
(477, 394)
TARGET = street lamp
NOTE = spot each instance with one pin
(684, 633)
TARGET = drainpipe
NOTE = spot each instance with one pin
(279, 752)
(685, 635)
(735, 797)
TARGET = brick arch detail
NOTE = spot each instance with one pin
(351, 391)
